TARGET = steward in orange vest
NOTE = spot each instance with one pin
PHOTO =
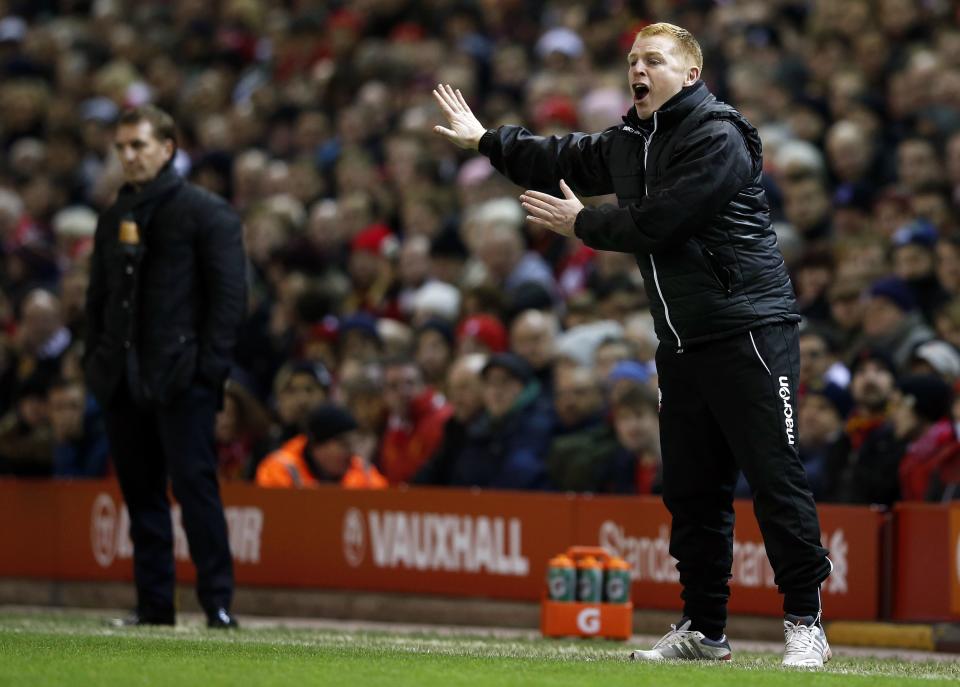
(321, 456)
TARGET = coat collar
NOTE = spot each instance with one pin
(166, 181)
(672, 111)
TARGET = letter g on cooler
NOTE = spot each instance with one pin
(588, 621)
(354, 539)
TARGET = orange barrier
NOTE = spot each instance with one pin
(927, 566)
(638, 530)
(444, 541)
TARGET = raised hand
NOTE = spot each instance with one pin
(556, 214)
(465, 129)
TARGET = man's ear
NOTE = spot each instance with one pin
(170, 148)
(692, 75)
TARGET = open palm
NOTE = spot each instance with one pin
(464, 129)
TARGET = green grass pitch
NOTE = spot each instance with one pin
(75, 651)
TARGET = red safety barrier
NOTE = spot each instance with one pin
(926, 575)
(453, 541)
(638, 530)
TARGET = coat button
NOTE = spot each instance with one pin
(125, 304)
(126, 344)
(183, 339)
(129, 269)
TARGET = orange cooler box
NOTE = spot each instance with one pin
(586, 619)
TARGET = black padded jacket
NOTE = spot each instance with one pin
(690, 208)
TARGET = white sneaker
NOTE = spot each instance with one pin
(806, 642)
(683, 643)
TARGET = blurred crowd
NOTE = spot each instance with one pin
(405, 324)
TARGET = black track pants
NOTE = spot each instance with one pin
(731, 405)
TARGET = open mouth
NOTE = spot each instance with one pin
(640, 91)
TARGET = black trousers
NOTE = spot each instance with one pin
(731, 405)
(151, 444)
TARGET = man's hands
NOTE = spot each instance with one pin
(556, 214)
(465, 129)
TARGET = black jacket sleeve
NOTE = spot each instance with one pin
(540, 162)
(706, 173)
(223, 269)
(96, 303)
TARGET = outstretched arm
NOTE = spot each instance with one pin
(534, 162)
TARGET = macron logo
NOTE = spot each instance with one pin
(787, 409)
(631, 130)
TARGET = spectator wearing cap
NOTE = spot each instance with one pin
(436, 300)
(415, 423)
(555, 114)
(852, 206)
(433, 351)
(359, 339)
(891, 320)
(533, 336)
(74, 227)
(298, 388)
(625, 374)
(872, 387)
(481, 333)
(448, 254)
(936, 357)
(584, 446)
(506, 444)
(370, 268)
(822, 414)
(465, 390)
(321, 455)
(914, 261)
(558, 47)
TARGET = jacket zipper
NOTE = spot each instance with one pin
(656, 278)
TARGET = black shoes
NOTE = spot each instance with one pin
(138, 619)
(222, 620)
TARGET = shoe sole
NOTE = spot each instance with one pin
(826, 657)
(639, 656)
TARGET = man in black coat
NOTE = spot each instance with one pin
(166, 297)
(686, 170)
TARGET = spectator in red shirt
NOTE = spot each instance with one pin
(415, 423)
